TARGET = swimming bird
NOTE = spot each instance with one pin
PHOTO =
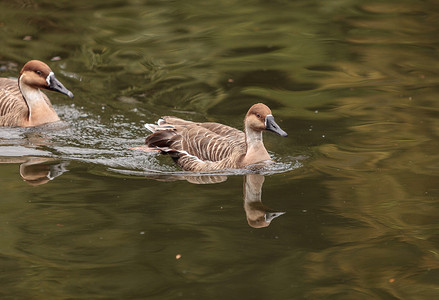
(213, 146)
(23, 104)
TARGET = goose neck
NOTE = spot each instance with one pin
(32, 96)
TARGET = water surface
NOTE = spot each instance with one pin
(352, 198)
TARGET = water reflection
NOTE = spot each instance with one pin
(37, 170)
(257, 214)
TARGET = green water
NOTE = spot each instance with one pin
(355, 85)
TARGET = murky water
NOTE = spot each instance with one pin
(353, 198)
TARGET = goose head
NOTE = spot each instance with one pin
(259, 118)
(37, 74)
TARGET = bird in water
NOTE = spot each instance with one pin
(213, 146)
(22, 103)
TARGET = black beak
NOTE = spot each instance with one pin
(56, 85)
(271, 125)
(269, 216)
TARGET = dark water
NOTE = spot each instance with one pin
(355, 85)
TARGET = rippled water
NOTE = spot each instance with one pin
(348, 211)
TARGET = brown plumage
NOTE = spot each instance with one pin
(212, 146)
(22, 103)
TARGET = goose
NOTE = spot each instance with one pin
(24, 104)
(213, 146)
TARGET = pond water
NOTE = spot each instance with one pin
(353, 197)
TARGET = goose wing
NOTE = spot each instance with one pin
(13, 107)
(209, 145)
(205, 141)
(222, 130)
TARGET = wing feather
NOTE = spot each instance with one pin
(198, 146)
(13, 107)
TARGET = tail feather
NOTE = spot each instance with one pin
(161, 125)
(151, 127)
(160, 139)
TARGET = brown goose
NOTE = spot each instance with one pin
(24, 104)
(213, 146)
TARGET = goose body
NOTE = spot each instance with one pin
(22, 103)
(213, 146)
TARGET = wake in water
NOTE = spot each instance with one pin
(83, 137)
(152, 168)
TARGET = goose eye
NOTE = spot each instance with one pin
(38, 72)
(258, 115)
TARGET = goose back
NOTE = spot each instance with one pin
(198, 146)
(12, 104)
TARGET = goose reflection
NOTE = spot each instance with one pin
(258, 215)
(38, 170)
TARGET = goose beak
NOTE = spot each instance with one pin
(57, 86)
(272, 215)
(271, 125)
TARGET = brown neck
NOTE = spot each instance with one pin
(256, 151)
(40, 110)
